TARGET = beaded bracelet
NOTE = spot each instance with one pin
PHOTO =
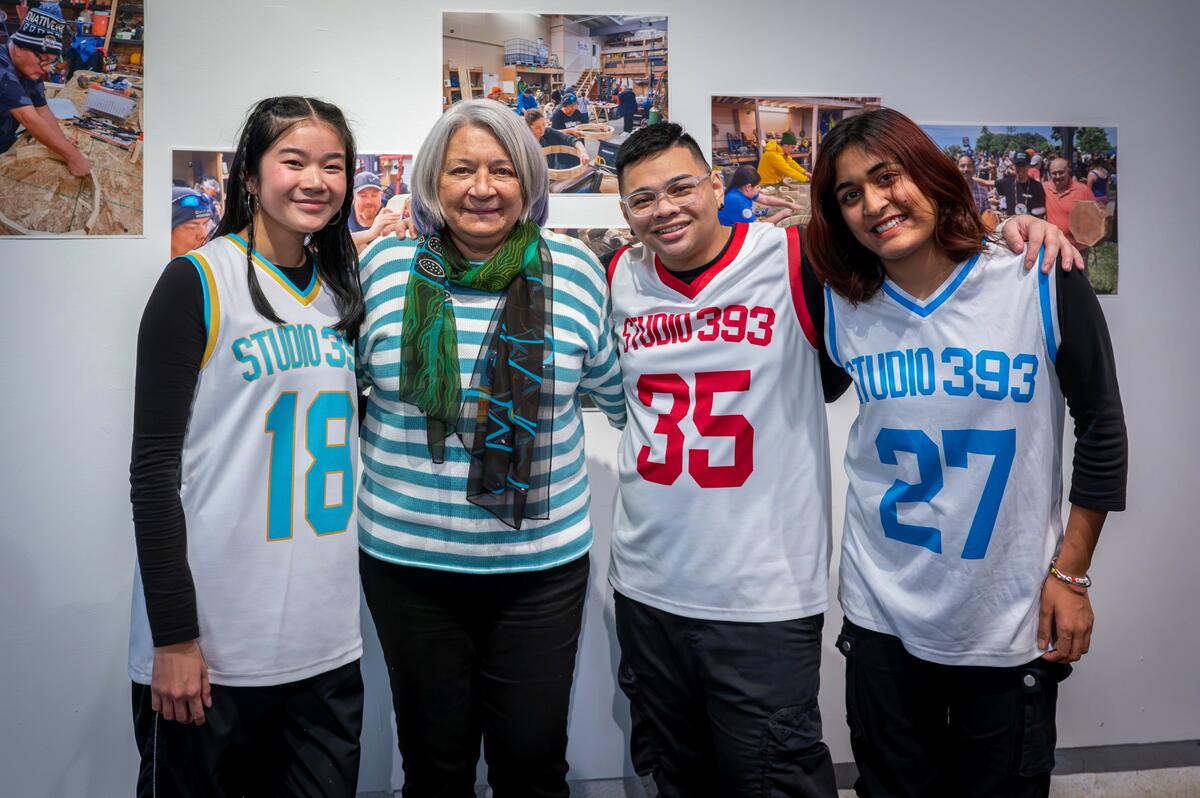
(1074, 581)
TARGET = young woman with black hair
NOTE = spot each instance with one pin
(245, 632)
(964, 597)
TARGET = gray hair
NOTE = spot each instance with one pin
(510, 130)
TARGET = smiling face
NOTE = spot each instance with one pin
(367, 202)
(479, 191)
(883, 208)
(301, 179)
(966, 165)
(1060, 174)
(685, 236)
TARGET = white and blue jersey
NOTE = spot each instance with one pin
(954, 462)
(267, 481)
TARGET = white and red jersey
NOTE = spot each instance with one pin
(723, 508)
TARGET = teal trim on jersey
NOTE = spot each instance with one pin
(312, 283)
(204, 290)
(501, 563)
(924, 310)
(831, 325)
(1048, 310)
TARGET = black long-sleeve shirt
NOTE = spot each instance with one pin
(171, 343)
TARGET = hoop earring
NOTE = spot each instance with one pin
(337, 218)
(252, 203)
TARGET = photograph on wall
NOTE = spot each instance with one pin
(200, 178)
(765, 147)
(71, 107)
(1066, 175)
(582, 82)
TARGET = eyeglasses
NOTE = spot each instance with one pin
(194, 200)
(680, 193)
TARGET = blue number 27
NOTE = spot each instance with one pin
(957, 444)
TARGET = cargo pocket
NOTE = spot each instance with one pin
(793, 753)
(1039, 688)
(643, 744)
(846, 644)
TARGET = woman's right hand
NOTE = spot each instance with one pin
(179, 688)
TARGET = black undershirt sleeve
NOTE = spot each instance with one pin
(171, 342)
(1087, 373)
(834, 379)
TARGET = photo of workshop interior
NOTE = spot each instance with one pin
(582, 82)
(777, 138)
(71, 136)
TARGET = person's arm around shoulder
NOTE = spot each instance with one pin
(601, 375)
(1018, 231)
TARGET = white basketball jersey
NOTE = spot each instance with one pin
(723, 507)
(267, 483)
(954, 463)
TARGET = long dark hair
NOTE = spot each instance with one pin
(335, 254)
(837, 257)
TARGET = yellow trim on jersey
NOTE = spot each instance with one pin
(271, 269)
(212, 305)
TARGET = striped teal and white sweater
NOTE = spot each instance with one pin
(415, 512)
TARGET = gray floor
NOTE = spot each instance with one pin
(1162, 783)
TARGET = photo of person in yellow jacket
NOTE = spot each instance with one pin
(776, 162)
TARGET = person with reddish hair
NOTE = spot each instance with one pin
(964, 598)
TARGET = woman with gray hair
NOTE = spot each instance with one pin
(479, 337)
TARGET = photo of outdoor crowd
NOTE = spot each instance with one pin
(581, 82)
(71, 95)
(765, 148)
(200, 180)
(1066, 175)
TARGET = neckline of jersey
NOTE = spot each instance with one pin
(924, 308)
(692, 290)
(304, 297)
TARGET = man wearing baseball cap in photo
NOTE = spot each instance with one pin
(191, 218)
(568, 115)
(368, 218)
(776, 162)
(24, 63)
(1021, 193)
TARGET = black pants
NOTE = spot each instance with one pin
(628, 117)
(722, 709)
(926, 730)
(295, 739)
(479, 656)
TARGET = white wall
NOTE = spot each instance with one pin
(67, 359)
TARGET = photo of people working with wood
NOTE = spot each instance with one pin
(582, 82)
(70, 118)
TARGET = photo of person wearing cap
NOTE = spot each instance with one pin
(369, 219)
(568, 115)
(24, 64)
(191, 219)
(741, 194)
(777, 163)
(1021, 192)
(526, 101)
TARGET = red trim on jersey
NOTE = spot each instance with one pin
(612, 263)
(691, 290)
(797, 281)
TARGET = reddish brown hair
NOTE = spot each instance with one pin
(836, 255)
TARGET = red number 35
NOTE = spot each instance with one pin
(708, 425)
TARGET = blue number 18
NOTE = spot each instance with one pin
(957, 444)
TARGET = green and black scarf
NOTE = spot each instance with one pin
(505, 419)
